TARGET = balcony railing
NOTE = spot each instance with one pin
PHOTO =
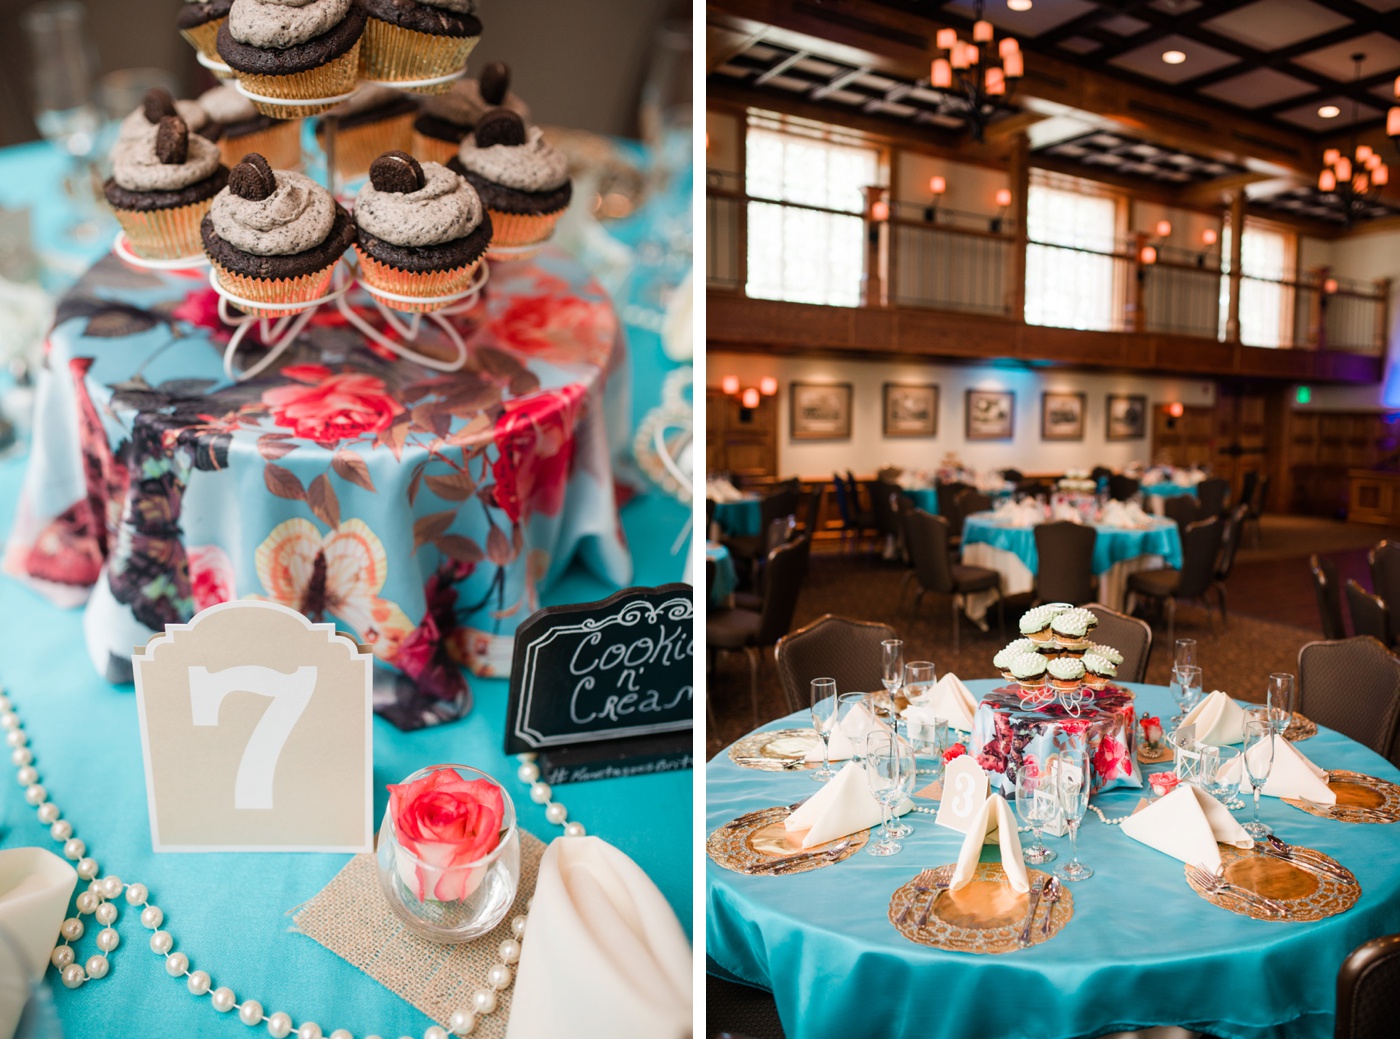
(947, 260)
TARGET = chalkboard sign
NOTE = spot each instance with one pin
(606, 681)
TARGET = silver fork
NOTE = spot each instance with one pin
(786, 764)
(1277, 849)
(1215, 883)
(924, 884)
(939, 886)
(1369, 813)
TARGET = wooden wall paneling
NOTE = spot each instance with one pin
(741, 440)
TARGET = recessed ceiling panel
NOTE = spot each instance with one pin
(1306, 116)
(1123, 25)
(1257, 88)
(1382, 55)
(1271, 24)
(1200, 59)
(1043, 15)
(1080, 45)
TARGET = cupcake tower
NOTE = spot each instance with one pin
(1056, 652)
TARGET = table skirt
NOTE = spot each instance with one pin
(1017, 579)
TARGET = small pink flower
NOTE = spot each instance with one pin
(211, 576)
(1163, 783)
(449, 824)
(1111, 759)
(957, 750)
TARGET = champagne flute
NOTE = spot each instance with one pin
(1279, 698)
(1185, 654)
(892, 669)
(889, 768)
(824, 720)
(848, 704)
(1073, 782)
(1037, 807)
(1185, 688)
(1258, 754)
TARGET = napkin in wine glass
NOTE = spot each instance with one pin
(1219, 721)
(1292, 774)
(994, 817)
(843, 806)
(1186, 824)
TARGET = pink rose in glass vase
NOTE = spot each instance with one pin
(449, 825)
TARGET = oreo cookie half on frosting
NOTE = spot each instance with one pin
(513, 168)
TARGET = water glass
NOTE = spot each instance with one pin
(929, 740)
(1258, 753)
(1073, 782)
(1038, 807)
(920, 676)
(1223, 782)
(889, 767)
(824, 720)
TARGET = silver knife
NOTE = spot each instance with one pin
(759, 867)
(1025, 938)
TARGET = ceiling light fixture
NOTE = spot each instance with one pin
(1352, 182)
(978, 77)
(1329, 111)
(1019, 5)
(1174, 57)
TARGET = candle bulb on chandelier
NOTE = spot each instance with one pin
(1392, 118)
(996, 81)
(1343, 168)
(982, 31)
(1330, 157)
(1327, 182)
(958, 56)
(750, 398)
(1008, 46)
(1014, 65)
(729, 385)
(946, 39)
(941, 75)
(1380, 176)
(1363, 153)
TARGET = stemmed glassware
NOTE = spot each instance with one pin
(889, 767)
(1185, 690)
(1279, 699)
(846, 705)
(1073, 780)
(1258, 754)
(824, 720)
(1185, 654)
(1038, 807)
(891, 672)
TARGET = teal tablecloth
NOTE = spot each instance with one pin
(725, 578)
(925, 498)
(739, 519)
(1166, 490)
(1113, 545)
(1141, 950)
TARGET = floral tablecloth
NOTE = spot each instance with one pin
(423, 511)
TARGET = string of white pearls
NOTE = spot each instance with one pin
(99, 902)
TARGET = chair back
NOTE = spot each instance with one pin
(1100, 472)
(886, 517)
(1259, 497)
(1353, 686)
(1329, 597)
(1200, 547)
(831, 647)
(1369, 613)
(1012, 475)
(780, 532)
(1128, 635)
(1035, 489)
(776, 505)
(1213, 494)
(1230, 540)
(1182, 508)
(853, 488)
(1385, 578)
(1249, 483)
(843, 501)
(973, 501)
(1121, 487)
(1066, 571)
(1368, 990)
(814, 511)
(783, 575)
(947, 495)
(926, 538)
(710, 571)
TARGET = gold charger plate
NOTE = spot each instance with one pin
(1299, 729)
(1305, 895)
(781, 747)
(760, 837)
(1356, 790)
(986, 916)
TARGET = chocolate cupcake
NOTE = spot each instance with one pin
(422, 231)
(522, 180)
(374, 121)
(444, 119)
(406, 41)
(294, 51)
(161, 186)
(141, 124)
(239, 128)
(275, 236)
(200, 22)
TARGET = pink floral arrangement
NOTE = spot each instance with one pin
(1163, 783)
(449, 824)
(1151, 730)
(955, 751)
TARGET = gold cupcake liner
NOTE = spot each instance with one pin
(164, 234)
(302, 289)
(335, 77)
(203, 38)
(392, 53)
(356, 147)
(279, 144)
(513, 230)
(375, 274)
(430, 149)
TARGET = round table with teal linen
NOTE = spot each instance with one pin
(739, 519)
(725, 578)
(925, 498)
(1166, 490)
(1142, 948)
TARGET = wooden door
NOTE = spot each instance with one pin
(1183, 440)
(740, 440)
(1241, 436)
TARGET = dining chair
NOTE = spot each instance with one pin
(1368, 990)
(1248, 484)
(1130, 636)
(776, 505)
(1256, 502)
(935, 571)
(1229, 546)
(843, 508)
(1182, 508)
(1369, 613)
(865, 518)
(1035, 489)
(1012, 475)
(1329, 597)
(1200, 547)
(971, 501)
(744, 631)
(882, 493)
(1352, 685)
(1213, 494)
(831, 647)
(811, 519)
(1100, 472)
(780, 531)
(1385, 579)
(1066, 569)
(1121, 487)
(947, 495)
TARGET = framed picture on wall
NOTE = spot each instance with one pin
(911, 411)
(821, 411)
(1127, 416)
(991, 414)
(1061, 416)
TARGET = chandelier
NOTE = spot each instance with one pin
(1352, 182)
(980, 75)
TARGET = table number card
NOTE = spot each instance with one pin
(964, 790)
(255, 729)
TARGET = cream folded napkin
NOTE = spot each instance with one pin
(839, 747)
(1114, 514)
(843, 806)
(609, 957)
(850, 734)
(950, 700)
(1292, 774)
(994, 816)
(35, 886)
(1063, 510)
(1186, 824)
(1219, 721)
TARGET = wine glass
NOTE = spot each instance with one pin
(848, 704)
(1037, 806)
(1185, 690)
(1258, 754)
(1073, 780)
(891, 668)
(1185, 654)
(889, 767)
(1279, 696)
(824, 720)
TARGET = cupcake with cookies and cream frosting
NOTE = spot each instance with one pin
(445, 119)
(523, 181)
(407, 42)
(161, 186)
(302, 53)
(199, 23)
(140, 124)
(422, 232)
(238, 128)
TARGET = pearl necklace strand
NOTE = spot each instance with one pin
(100, 902)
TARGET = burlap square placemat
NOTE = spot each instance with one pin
(351, 918)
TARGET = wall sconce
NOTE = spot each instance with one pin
(1148, 256)
(936, 187)
(1330, 286)
(879, 214)
(1164, 228)
(729, 385)
(1176, 409)
(1208, 238)
(1003, 200)
(750, 397)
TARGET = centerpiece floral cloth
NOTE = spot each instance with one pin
(424, 512)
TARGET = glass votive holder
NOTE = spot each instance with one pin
(437, 892)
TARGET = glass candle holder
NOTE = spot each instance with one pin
(436, 895)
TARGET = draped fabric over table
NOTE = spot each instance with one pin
(738, 519)
(424, 511)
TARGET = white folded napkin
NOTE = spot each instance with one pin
(950, 700)
(1186, 824)
(1219, 721)
(1292, 774)
(613, 959)
(843, 806)
(1063, 510)
(1114, 515)
(839, 747)
(35, 886)
(994, 816)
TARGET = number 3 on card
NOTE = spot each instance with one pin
(964, 790)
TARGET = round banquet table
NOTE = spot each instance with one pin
(739, 519)
(1118, 553)
(925, 498)
(726, 580)
(1158, 493)
(1142, 949)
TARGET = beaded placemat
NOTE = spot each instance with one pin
(1360, 799)
(1304, 895)
(986, 916)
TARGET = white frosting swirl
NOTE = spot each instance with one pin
(138, 168)
(226, 105)
(134, 126)
(296, 217)
(532, 166)
(444, 209)
(464, 105)
(279, 24)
